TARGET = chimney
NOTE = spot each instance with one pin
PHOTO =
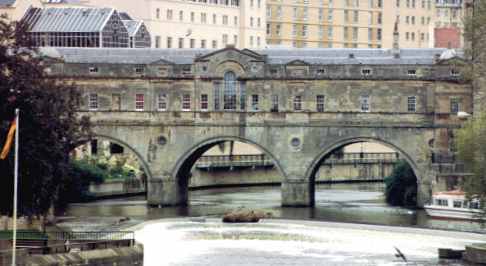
(396, 40)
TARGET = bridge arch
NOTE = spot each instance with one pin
(181, 171)
(124, 144)
(317, 161)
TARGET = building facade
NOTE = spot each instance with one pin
(296, 105)
(210, 24)
(449, 23)
(15, 9)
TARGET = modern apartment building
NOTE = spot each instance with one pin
(198, 24)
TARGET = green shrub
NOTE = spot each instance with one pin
(401, 186)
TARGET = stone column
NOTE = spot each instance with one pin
(297, 193)
(424, 188)
(166, 191)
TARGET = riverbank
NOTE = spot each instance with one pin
(202, 241)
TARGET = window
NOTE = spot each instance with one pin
(412, 103)
(225, 20)
(139, 102)
(320, 103)
(355, 33)
(298, 103)
(455, 72)
(203, 18)
(304, 30)
(93, 70)
(186, 102)
(216, 96)
(455, 108)
(366, 72)
(365, 103)
(411, 72)
(204, 102)
(169, 42)
(225, 39)
(169, 14)
(214, 18)
(355, 16)
(251, 21)
(192, 43)
(93, 101)
(181, 42)
(269, 29)
(457, 204)
(274, 107)
(441, 202)
(181, 15)
(139, 69)
(235, 21)
(162, 102)
(157, 41)
(157, 13)
(214, 44)
(193, 17)
(254, 102)
(278, 28)
(229, 92)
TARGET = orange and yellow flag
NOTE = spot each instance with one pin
(9, 141)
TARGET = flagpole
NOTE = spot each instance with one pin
(16, 172)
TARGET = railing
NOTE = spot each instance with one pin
(233, 161)
(37, 243)
(363, 157)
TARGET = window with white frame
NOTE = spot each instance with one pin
(366, 72)
(162, 102)
(204, 102)
(274, 103)
(320, 103)
(186, 102)
(139, 102)
(455, 105)
(93, 101)
(254, 102)
(412, 103)
(297, 103)
(412, 72)
(365, 103)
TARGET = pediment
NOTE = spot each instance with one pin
(161, 62)
(453, 61)
(297, 62)
(231, 53)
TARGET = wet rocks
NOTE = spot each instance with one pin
(245, 216)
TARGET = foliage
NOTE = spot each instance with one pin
(471, 150)
(99, 169)
(401, 186)
(49, 126)
(475, 35)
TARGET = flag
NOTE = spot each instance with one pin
(9, 141)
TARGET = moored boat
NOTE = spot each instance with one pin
(453, 204)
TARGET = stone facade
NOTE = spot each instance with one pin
(297, 106)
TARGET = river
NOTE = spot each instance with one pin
(350, 225)
(350, 203)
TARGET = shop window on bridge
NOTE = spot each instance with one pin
(412, 104)
(320, 103)
(204, 102)
(274, 103)
(93, 101)
(230, 91)
(298, 103)
(139, 102)
(186, 102)
(162, 102)
(455, 105)
(365, 103)
(254, 102)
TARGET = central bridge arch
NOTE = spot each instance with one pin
(182, 170)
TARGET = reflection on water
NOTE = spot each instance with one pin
(356, 203)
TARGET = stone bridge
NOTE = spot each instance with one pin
(297, 106)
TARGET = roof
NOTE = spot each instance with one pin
(68, 19)
(132, 26)
(4, 3)
(323, 56)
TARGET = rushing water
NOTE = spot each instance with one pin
(354, 203)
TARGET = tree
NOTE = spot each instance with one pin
(401, 186)
(471, 150)
(49, 127)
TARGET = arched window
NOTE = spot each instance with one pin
(230, 93)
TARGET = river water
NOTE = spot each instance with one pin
(353, 203)
(350, 225)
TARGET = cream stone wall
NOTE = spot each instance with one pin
(197, 24)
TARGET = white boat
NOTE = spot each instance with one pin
(453, 204)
